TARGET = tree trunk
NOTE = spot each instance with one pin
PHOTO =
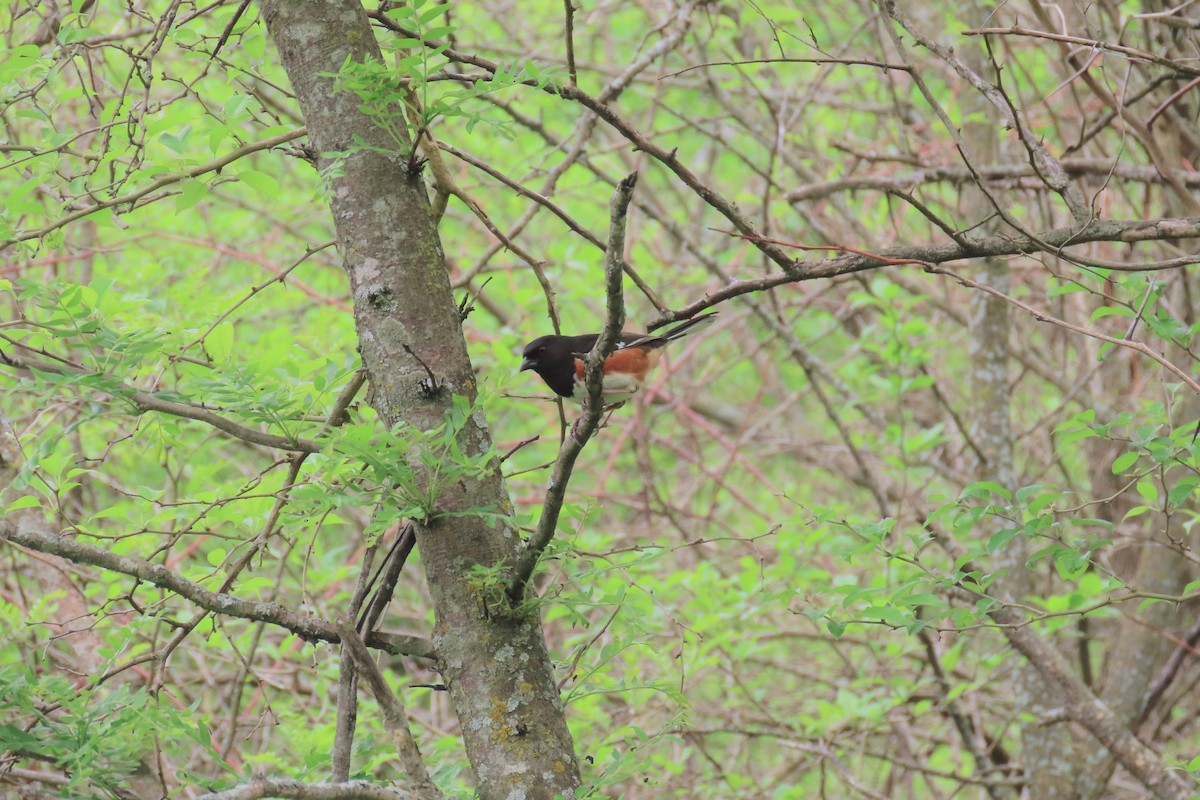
(494, 661)
(1045, 746)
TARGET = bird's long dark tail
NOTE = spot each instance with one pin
(686, 327)
(655, 341)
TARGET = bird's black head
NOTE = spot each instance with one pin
(535, 353)
(553, 358)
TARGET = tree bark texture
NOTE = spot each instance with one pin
(494, 662)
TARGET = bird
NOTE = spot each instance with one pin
(558, 360)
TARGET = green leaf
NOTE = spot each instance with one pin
(1111, 311)
(1070, 564)
(1183, 489)
(190, 193)
(25, 501)
(13, 738)
(1066, 288)
(999, 539)
(260, 181)
(177, 143)
(1136, 511)
(1124, 462)
(981, 489)
(433, 12)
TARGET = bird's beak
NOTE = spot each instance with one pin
(527, 363)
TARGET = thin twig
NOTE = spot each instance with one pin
(279, 278)
(1041, 316)
(346, 722)
(433, 384)
(518, 446)
(1169, 671)
(1141, 311)
(1125, 50)
(557, 211)
(390, 571)
(569, 5)
(598, 105)
(852, 62)
(132, 197)
(1192, 84)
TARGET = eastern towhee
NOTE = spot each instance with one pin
(559, 360)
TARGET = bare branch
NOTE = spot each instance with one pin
(395, 718)
(144, 401)
(598, 105)
(557, 211)
(1001, 245)
(307, 626)
(1046, 165)
(1040, 316)
(569, 7)
(993, 172)
(1081, 703)
(166, 180)
(1125, 50)
(261, 788)
(1086, 709)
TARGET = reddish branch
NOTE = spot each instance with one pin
(1094, 44)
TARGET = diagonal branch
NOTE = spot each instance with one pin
(1086, 709)
(1131, 53)
(1080, 702)
(144, 401)
(1136, 346)
(557, 211)
(307, 626)
(395, 718)
(131, 197)
(1048, 167)
(593, 401)
(1008, 244)
(598, 105)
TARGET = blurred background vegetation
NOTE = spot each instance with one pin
(776, 568)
